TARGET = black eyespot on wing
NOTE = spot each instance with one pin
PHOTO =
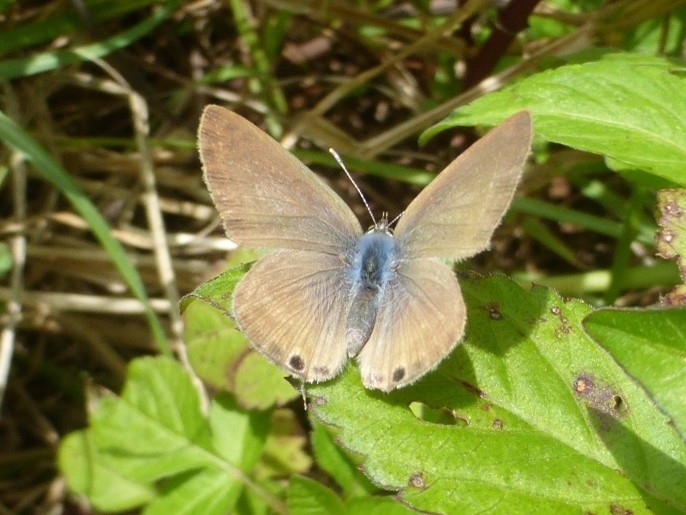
(398, 374)
(296, 363)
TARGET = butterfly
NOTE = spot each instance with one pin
(330, 291)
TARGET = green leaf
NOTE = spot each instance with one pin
(651, 346)
(308, 497)
(154, 447)
(377, 506)
(333, 460)
(238, 435)
(544, 420)
(213, 344)
(156, 422)
(285, 452)
(216, 292)
(624, 106)
(6, 260)
(210, 492)
(92, 474)
(260, 384)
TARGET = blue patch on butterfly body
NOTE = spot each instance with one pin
(371, 263)
(372, 259)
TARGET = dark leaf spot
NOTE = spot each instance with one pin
(598, 396)
(494, 311)
(583, 384)
(616, 509)
(417, 481)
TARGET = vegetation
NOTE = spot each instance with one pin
(566, 395)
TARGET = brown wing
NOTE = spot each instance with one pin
(421, 319)
(455, 215)
(266, 197)
(291, 305)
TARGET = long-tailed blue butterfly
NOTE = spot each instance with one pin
(331, 291)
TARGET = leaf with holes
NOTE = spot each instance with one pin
(650, 344)
(528, 415)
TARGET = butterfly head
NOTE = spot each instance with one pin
(383, 225)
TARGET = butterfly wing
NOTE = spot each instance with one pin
(266, 197)
(292, 306)
(419, 322)
(455, 215)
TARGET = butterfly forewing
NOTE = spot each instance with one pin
(420, 320)
(456, 214)
(266, 197)
(292, 306)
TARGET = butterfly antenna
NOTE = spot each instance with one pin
(359, 191)
(392, 222)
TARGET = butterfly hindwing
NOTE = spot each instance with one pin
(291, 305)
(420, 320)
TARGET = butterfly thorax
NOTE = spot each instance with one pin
(370, 265)
(371, 259)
